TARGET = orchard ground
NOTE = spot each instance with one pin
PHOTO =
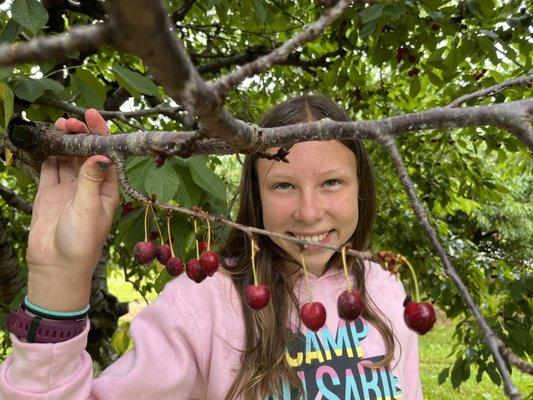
(434, 349)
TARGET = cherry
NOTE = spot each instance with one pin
(195, 271)
(163, 253)
(399, 53)
(350, 305)
(435, 26)
(413, 71)
(154, 235)
(174, 266)
(159, 159)
(209, 261)
(144, 252)
(419, 317)
(411, 58)
(257, 297)
(127, 208)
(313, 315)
(202, 246)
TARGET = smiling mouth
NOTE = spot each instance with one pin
(312, 238)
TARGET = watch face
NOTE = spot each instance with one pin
(35, 329)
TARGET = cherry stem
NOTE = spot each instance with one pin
(196, 239)
(413, 274)
(344, 265)
(253, 263)
(169, 236)
(208, 234)
(146, 222)
(156, 223)
(306, 277)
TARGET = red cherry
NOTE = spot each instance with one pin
(419, 317)
(144, 252)
(163, 253)
(127, 208)
(174, 266)
(210, 261)
(413, 72)
(159, 159)
(313, 315)
(350, 305)
(154, 235)
(257, 297)
(202, 246)
(195, 271)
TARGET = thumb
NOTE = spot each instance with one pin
(91, 176)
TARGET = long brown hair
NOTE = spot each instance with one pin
(263, 359)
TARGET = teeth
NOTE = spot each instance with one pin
(315, 238)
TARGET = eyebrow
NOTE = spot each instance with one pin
(328, 172)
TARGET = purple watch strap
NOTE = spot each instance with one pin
(35, 329)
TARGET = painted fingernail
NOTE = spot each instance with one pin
(103, 165)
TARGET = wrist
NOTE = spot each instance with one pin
(63, 294)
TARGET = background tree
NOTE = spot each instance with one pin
(380, 59)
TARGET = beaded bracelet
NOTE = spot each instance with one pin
(58, 315)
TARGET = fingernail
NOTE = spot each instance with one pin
(103, 165)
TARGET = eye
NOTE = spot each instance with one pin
(283, 186)
(331, 182)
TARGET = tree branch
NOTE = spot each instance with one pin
(14, 200)
(522, 81)
(223, 84)
(490, 337)
(54, 47)
(41, 139)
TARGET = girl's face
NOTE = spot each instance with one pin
(313, 197)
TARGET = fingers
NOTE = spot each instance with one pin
(95, 122)
(91, 177)
(49, 173)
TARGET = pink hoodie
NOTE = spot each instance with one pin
(187, 347)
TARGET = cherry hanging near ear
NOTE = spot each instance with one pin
(257, 296)
(195, 271)
(419, 317)
(313, 315)
(210, 261)
(350, 305)
(144, 252)
(174, 266)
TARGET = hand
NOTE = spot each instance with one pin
(72, 216)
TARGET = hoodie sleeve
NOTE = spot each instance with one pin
(165, 362)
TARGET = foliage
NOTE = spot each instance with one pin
(385, 58)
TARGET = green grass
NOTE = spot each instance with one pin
(434, 348)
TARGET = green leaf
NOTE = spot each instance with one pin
(368, 29)
(443, 375)
(457, 373)
(120, 340)
(371, 13)
(494, 374)
(136, 170)
(261, 11)
(6, 105)
(206, 178)
(52, 85)
(92, 91)
(28, 89)
(30, 14)
(162, 181)
(414, 87)
(188, 193)
(11, 31)
(134, 82)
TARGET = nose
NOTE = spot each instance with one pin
(310, 208)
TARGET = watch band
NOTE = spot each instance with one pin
(38, 330)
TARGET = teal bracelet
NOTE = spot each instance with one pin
(55, 314)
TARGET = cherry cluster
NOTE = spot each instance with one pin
(197, 269)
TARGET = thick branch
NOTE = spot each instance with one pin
(41, 139)
(225, 83)
(422, 216)
(54, 47)
(492, 90)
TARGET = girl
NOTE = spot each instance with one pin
(201, 341)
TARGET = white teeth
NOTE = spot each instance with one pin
(315, 238)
